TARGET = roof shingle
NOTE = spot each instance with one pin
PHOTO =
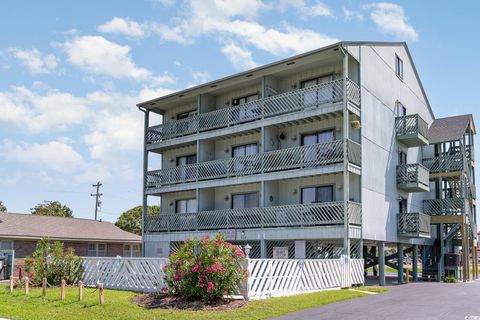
(449, 129)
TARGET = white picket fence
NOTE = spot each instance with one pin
(281, 277)
(133, 274)
(266, 277)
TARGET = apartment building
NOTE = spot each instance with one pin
(335, 151)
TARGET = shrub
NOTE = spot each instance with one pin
(450, 279)
(205, 269)
(51, 261)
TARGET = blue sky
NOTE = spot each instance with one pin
(72, 72)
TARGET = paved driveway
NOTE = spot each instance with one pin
(427, 300)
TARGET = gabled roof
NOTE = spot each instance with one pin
(450, 128)
(29, 226)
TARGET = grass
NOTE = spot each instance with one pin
(118, 306)
(372, 289)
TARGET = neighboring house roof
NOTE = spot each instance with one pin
(450, 128)
(29, 226)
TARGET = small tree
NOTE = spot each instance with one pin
(51, 261)
(2, 207)
(52, 208)
(205, 269)
(131, 220)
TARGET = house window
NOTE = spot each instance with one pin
(318, 137)
(187, 114)
(402, 158)
(319, 94)
(184, 160)
(245, 200)
(402, 206)
(97, 250)
(244, 100)
(317, 194)
(131, 250)
(244, 150)
(400, 109)
(399, 67)
(186, 206)
(245, 111)
(6, 245)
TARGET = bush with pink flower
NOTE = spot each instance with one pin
(205, 269)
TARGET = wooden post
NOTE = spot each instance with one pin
(12, 282)
(80, 291)
(62, 290)
(44, 287)
(27, 284)
(100, 293)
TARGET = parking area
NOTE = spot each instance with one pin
(422, 300)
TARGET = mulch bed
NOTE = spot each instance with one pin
(154, 301)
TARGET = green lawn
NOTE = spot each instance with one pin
(118, 306)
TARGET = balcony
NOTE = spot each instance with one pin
(413, 178)
(295, 215)
(448, 206)
(444, 163)
(319, 96)
(411, 130)
(304, 157)
(413, 225)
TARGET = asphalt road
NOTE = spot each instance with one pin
(422, 300)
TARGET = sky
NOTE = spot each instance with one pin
(71, 73)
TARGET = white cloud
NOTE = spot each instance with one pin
(320, 9)
(35, 61)
(351, 15)
(239, 57)
(390, 19)
(54, 155)
(126, 27)
(100, 56)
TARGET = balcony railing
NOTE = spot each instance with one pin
(293, 101)
(413, 177)
(412, 130)
(445, 163)
(413, 224)
(310, 156)
(448, 206)
(299, 215)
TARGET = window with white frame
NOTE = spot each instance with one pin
(399, 66)
(6, 244)
(97, 250)
(131, 250)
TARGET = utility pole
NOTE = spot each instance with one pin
(97, 196)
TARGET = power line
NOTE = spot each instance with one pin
(97, 196)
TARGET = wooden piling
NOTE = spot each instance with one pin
(101, 293)
(62, 290)
(27, 285)
(12, 283)
(44, 287)
(80, 291)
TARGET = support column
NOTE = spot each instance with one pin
(346, 177)
(145, 169)
(381, 263)
(441, 261)
(263, 248)
(415, 263)
(464, 253)
(400, 262)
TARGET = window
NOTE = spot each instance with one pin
(243, 164)
(245, 111)
(186, 206)
(399, 66)
(316, 154)
(131, 250)
(245, 200)
(184, 160)
(402, 158)
(317, 194)
(6, 245)
(402, 206)
(185, 115)
(318, 137)
(320, 94)
(244, 150)
(244, 100)
(97, 250)
(400, 109)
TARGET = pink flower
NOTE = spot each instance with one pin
(196, 269)
(209, 286)
(239, 252)
(201, 285)
(206, 237)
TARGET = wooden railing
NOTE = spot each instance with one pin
(411, 125)
(448, 206)
(412, 173)
(300, 215)
(413, 224)
(444, 163)
(293, 101)
(310, 156)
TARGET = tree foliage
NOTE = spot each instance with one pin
(52, 208)
(131, 220)
(2, 207)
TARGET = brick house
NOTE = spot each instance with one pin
(21, 232)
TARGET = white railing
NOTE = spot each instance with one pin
(300, 215)
(288, 102)
(133, 274)
(310, 156)
(282, 277)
